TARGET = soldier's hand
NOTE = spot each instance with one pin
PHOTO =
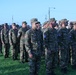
(11, 44)
(2, 42)
(30, 55)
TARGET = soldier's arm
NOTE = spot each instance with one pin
(2, 36)
(27, 42)
(59, 37)
(42, 41)
(45, 39)
(70, 37)
(10, 37)
(19, 34)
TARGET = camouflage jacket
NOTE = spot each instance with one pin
(21, 35)
(34, 40)
(5, 36)
(72, 36)
(63, 37)
(13, 36)
(50, 36)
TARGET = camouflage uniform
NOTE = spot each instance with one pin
(51, 49)
(5, 41)
(13, 42)
(63, 44)
(21, 36)
(33, 43)
(72, 36)
(0, 43)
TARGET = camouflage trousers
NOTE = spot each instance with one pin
(0, 47)
(74, 55)
(14, 51)
(51, 58)
(63, 57)
(69, 55)
(6, 50)
(34, 63)
(23, 53)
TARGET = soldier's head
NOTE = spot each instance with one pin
(33, 19)
(45, 24)
(71, 25)
(52, 20)
(64, 23)
(13, 25)
(56, 26)
(74, 25)
(34, 23)
(38, 25)
(24, 24)
(5, 26)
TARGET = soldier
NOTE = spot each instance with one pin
(14, 41)
(45, 25)
(63, 44)
(34, 46)
(51, 48)
(21, 36)
(56, 26)
(70, 27)
(5, 40)
(72, 36)
(0, 40)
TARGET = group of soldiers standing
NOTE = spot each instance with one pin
(53, 39)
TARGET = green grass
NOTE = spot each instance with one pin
(10, 67)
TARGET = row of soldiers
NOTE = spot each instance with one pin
(55, 40)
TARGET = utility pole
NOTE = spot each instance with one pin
(12, 19)
(45, 17)
(49, 11)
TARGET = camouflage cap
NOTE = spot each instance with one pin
(71, 23)
(34, 20)
(45, 23)
(24, 22)
(64, 20)
(6, 24)
(52, 20)
(74, 23)
(13, 24)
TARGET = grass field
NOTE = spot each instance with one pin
(10, 67)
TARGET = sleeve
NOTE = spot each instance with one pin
(42, 45)
(45, 39)
(19, 34)
(28, 42)
(70, 37)
(59, 37)
(2, 36)
(10, 36)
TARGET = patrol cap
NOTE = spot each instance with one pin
(64, 21)
(34, 20)
(71, 23)
(52, 20)
(13, 24)
(45, 23)
(54, 24)
(24, 22)
(74, 23)
(5, 24)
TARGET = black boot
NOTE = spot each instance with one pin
(53, 73)
(64, 71)
(74, 67)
